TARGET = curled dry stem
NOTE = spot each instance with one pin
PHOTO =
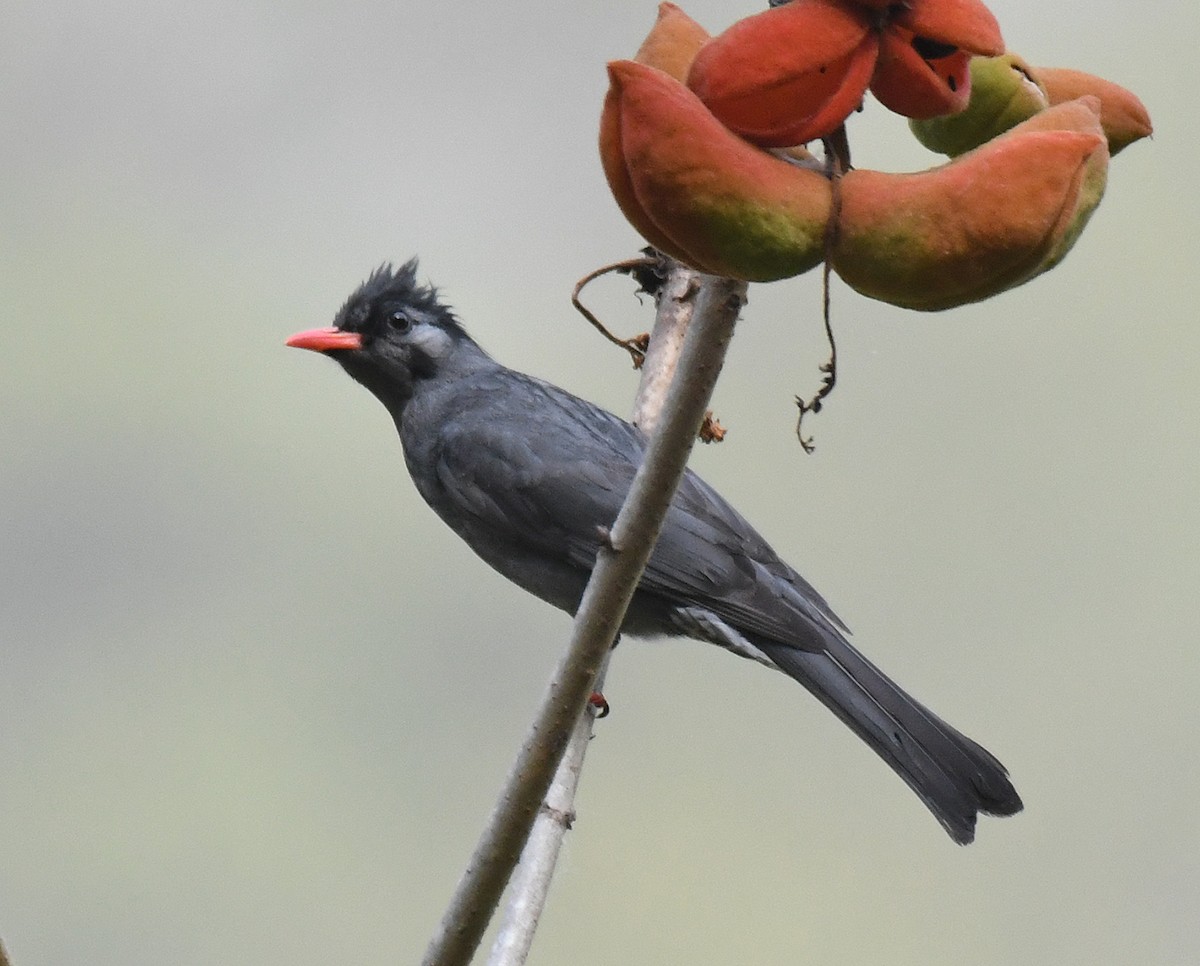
(645, 269)
(837, 163)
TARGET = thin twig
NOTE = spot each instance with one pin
(837, 163)
(676, 301)
(530, 885)
(619, 565)
(676, 304)
(635, 346)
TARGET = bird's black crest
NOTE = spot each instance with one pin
(388, 284)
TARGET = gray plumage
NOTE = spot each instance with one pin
(527, 474)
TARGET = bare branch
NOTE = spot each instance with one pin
(676, 301)
(635, 345)
(676, 305)
(530, 884)
(601, 611)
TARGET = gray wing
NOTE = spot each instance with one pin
(547, 490)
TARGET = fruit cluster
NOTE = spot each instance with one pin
(700, 144)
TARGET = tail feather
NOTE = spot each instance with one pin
(955, 777)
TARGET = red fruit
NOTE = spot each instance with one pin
(920, 86)
(699, 192)
(789, 74)
(673, 42)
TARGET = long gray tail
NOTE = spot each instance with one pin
(955, 777)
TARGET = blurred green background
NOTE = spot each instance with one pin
(255, 700)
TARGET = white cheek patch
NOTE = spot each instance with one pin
(431, 341)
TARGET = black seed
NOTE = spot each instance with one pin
(952, 82)
(932, 49)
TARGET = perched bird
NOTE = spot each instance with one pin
(530, 475)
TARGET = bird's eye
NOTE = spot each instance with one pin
(400, 320)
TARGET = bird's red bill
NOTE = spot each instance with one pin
(322, 340)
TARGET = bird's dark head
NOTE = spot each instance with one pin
(391, 333)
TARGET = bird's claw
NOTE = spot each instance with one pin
(600, 703)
